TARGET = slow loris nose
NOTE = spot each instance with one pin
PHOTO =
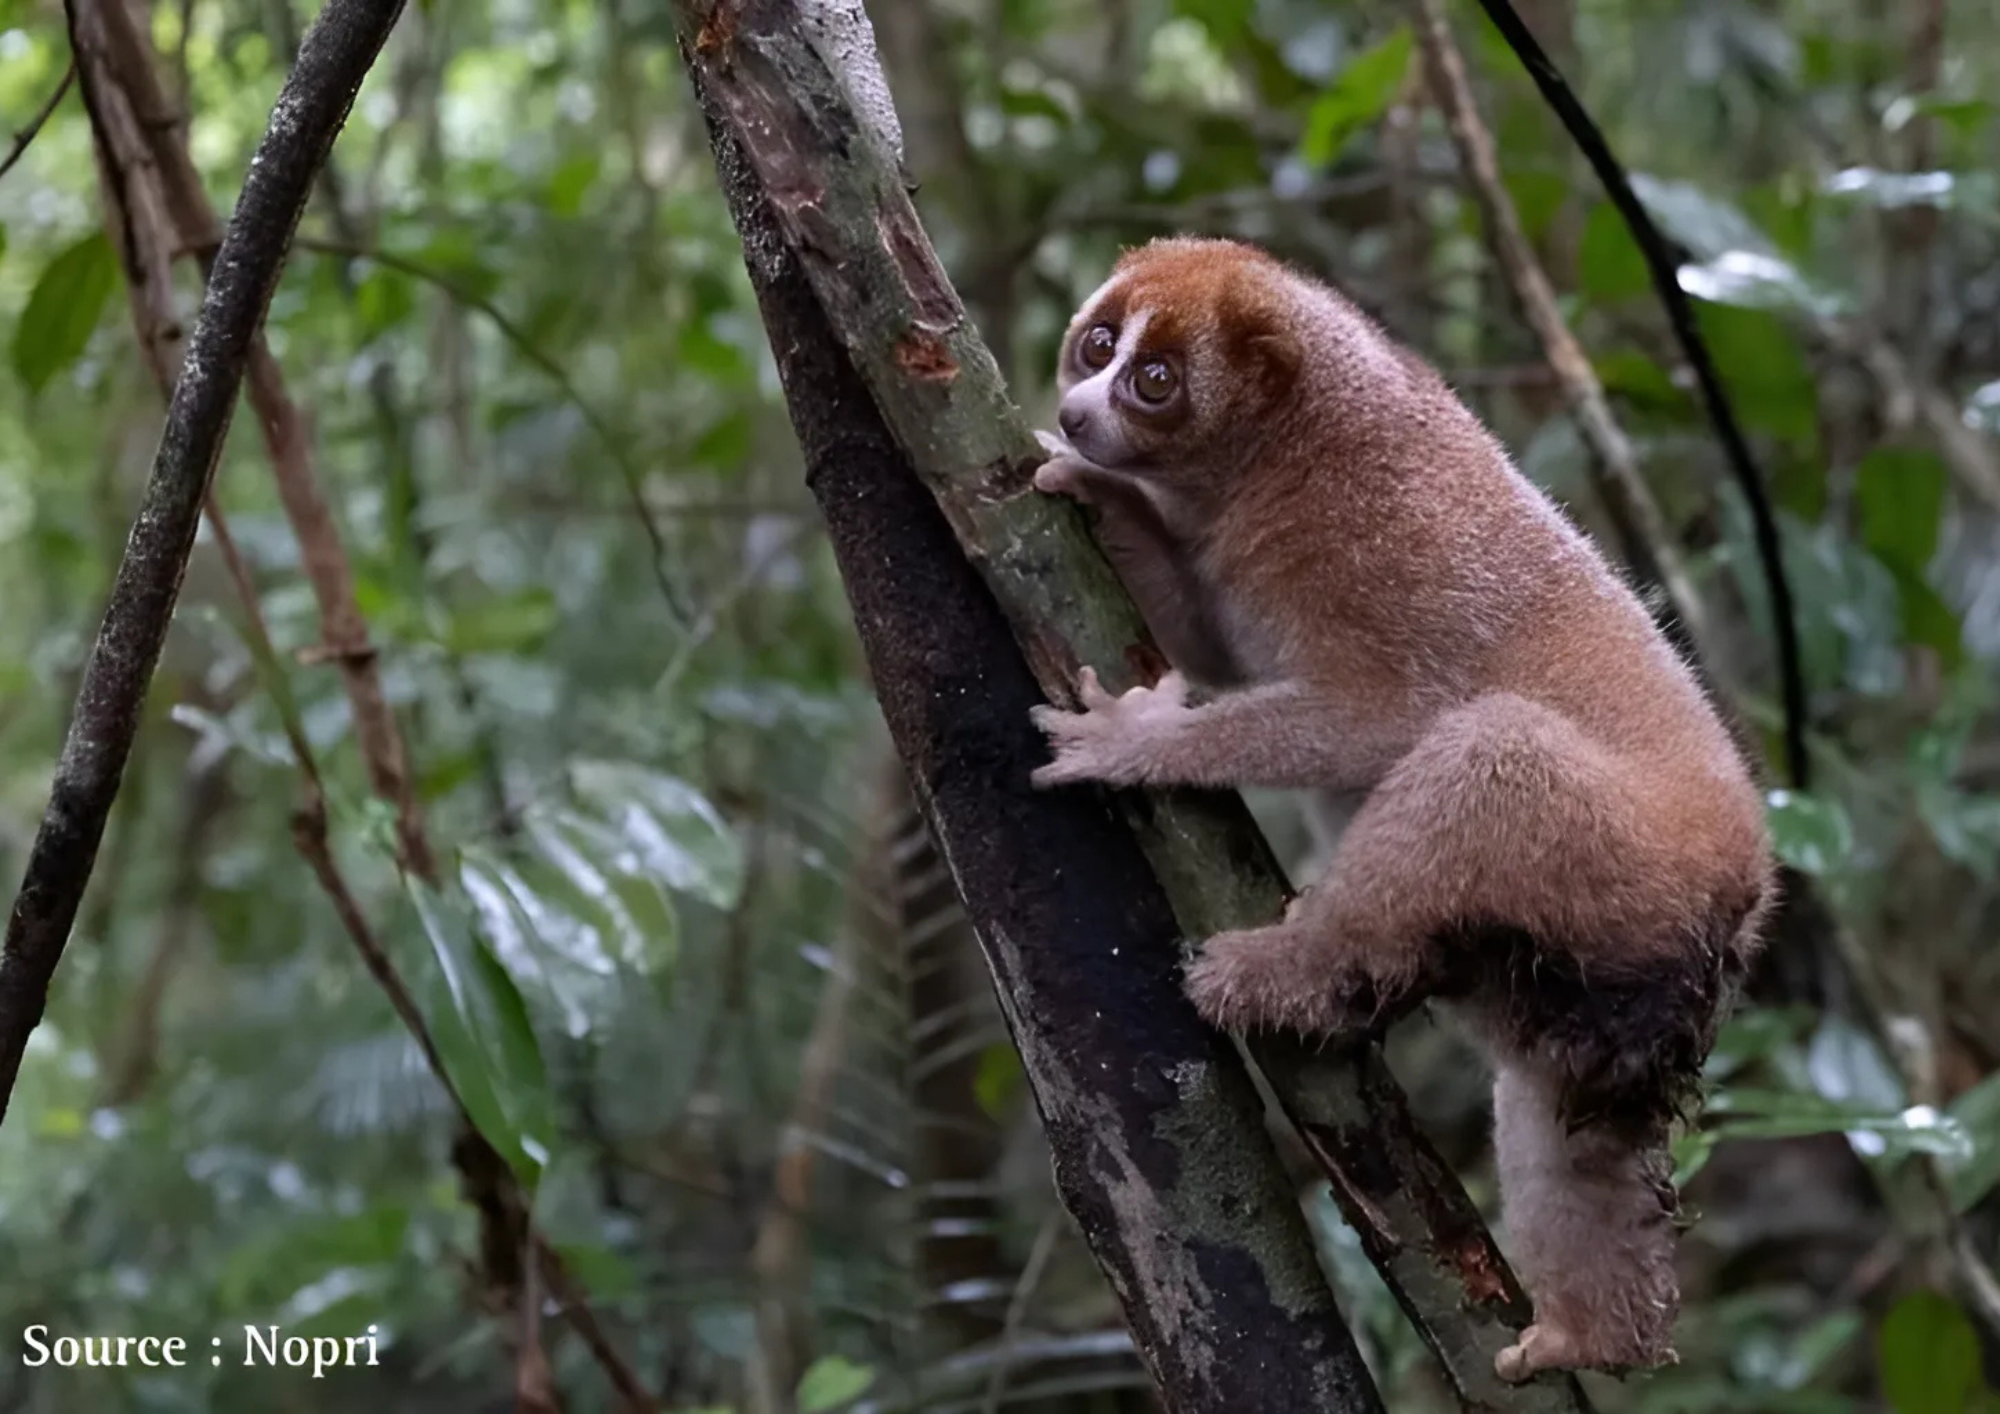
(1072, 419)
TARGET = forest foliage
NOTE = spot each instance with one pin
(686, 958)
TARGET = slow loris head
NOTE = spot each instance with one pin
(1180, 363)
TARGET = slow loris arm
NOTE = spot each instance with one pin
(1153, 563)
(1284, 734)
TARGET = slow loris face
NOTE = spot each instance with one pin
(1174, 370)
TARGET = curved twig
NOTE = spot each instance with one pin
(27, 135)
(515, 335)
(1662, 264)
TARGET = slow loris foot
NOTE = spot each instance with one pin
(1546, 1347)
(1281, 978)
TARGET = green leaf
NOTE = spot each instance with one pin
(1769, 379)
(831, 1381)
(1753, 1034)
(1808, 833)
(570, 183)
(1928, 1356)
(1745, 1113)
(1355, 100)
(383, 299)
(1537, 197)
(998, 1079)
(519, 623)
(672, 829)
(1610, 264)
(480, 1026)
(1900, 494)
(612, 892)
(1978, 1111)
(546, 949)
(63, 310)
(1929, 621)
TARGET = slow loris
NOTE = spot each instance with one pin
(1555, 831)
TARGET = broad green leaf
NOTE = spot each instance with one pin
(536, 941)
(518, 623)
(670, 826)
(613, 895)
(1846, 1064)
(1928, 1356)
(831, 1381)
(1733, 261)
(481, 1028)
(1355, 100)
(63, 310)
(570, 183)
(1631, 375)
(270, 747)
(1755, 280)
(1753, 1034)
(384, 298)
(1769, 380)
(1537, 197)
(1808, 833)
(1929, 621)
(1900, 494)
(1610, 264)
(1706, 225)
(998, 1079)
(459, 256)
(1745, 1113)
(1978, 1111)
(1889, 191)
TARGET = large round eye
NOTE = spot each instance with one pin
(1094, 350)
(1154, 380)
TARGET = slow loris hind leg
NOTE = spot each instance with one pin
(1488, 817)
(1504, 813)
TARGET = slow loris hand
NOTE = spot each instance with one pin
(1112, 738)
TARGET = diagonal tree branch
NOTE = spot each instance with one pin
(805, 143)
(311, 107)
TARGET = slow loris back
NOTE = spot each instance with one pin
(1556, 830)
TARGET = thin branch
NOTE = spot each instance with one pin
(311, 107)
(780, 1257)
(1663, 264)
(27, 135)
(598, 424)
(1616, 469)
(1017, 1307)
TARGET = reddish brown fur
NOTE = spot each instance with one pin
(1317, 529)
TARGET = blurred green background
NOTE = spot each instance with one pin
(702, 931)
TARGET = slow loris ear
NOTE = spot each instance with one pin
(1258, 343)
(1277, 356)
